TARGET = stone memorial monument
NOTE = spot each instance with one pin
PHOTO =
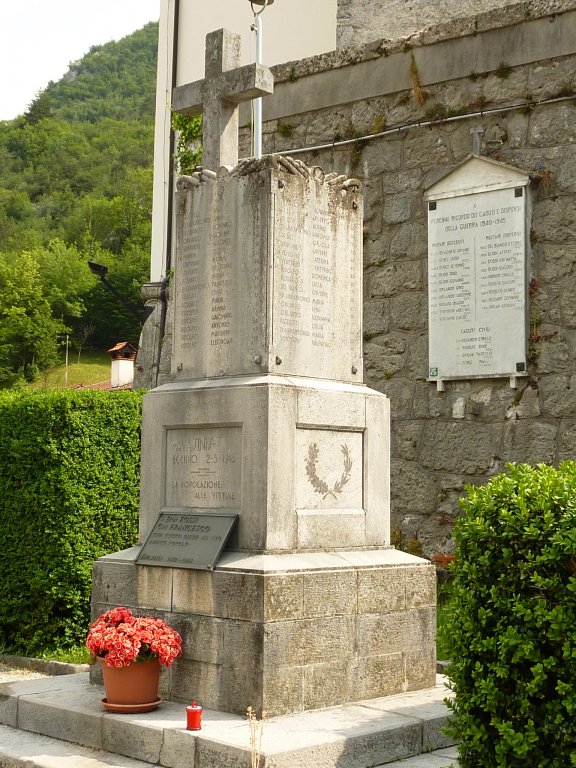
(477, 276)
(267, 421)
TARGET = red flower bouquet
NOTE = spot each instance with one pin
(121, 638)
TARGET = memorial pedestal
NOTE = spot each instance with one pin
(267, 418)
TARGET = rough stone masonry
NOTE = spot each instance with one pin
(366, 20)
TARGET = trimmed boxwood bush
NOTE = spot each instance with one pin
(69, 473)
(513, 621)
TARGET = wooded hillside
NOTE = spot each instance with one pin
(76, 185)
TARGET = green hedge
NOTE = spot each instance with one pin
(513, 621)
(69, 473)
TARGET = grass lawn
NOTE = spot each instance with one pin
(77, 655)
(94, 367)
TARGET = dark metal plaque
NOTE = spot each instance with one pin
(185, 538)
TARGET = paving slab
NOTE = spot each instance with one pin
(69, 711)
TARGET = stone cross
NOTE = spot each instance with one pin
(218, 96)
(476, 131)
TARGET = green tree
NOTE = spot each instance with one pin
(28, 331)
(65, 278)
(111, 320)
(76, 185)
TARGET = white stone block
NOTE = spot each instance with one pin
(298, 476)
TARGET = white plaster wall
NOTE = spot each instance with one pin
(122, 373)
(293, 29)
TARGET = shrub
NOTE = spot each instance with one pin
(69, 463)
(513, 621)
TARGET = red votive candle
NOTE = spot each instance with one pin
(194, 717)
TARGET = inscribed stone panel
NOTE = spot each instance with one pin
(317, 290)
(220, 280)
(268, 276)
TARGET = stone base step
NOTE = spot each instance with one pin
(68, 709)
(441, 758)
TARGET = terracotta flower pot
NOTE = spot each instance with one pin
(133, 688)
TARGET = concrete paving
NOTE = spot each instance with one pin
(9, 673)
(24, 666)
(60, 722)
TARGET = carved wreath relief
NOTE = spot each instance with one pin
(320, 485)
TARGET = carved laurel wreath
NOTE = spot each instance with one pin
(321, 486)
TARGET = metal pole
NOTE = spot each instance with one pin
(258, 102)
(66, 365)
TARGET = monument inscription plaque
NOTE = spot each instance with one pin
(315, 255)
(477, 284)
(181, 539)
(219, 273)
(203, 467)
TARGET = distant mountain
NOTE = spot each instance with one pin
(116, 80)
(76, 186)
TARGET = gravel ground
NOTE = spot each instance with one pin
(17, 673)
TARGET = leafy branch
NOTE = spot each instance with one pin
(188, 153)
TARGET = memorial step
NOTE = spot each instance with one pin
(67, 711)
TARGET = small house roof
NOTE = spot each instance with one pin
(123, 351)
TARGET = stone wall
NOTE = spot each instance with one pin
(362, 21)
(399, 118)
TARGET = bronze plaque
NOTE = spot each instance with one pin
(187, 539)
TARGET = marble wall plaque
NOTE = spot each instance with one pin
(203, 467)
(329, 469)
(477, 284)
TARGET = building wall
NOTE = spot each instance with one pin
(519, 83)
(183, 62)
